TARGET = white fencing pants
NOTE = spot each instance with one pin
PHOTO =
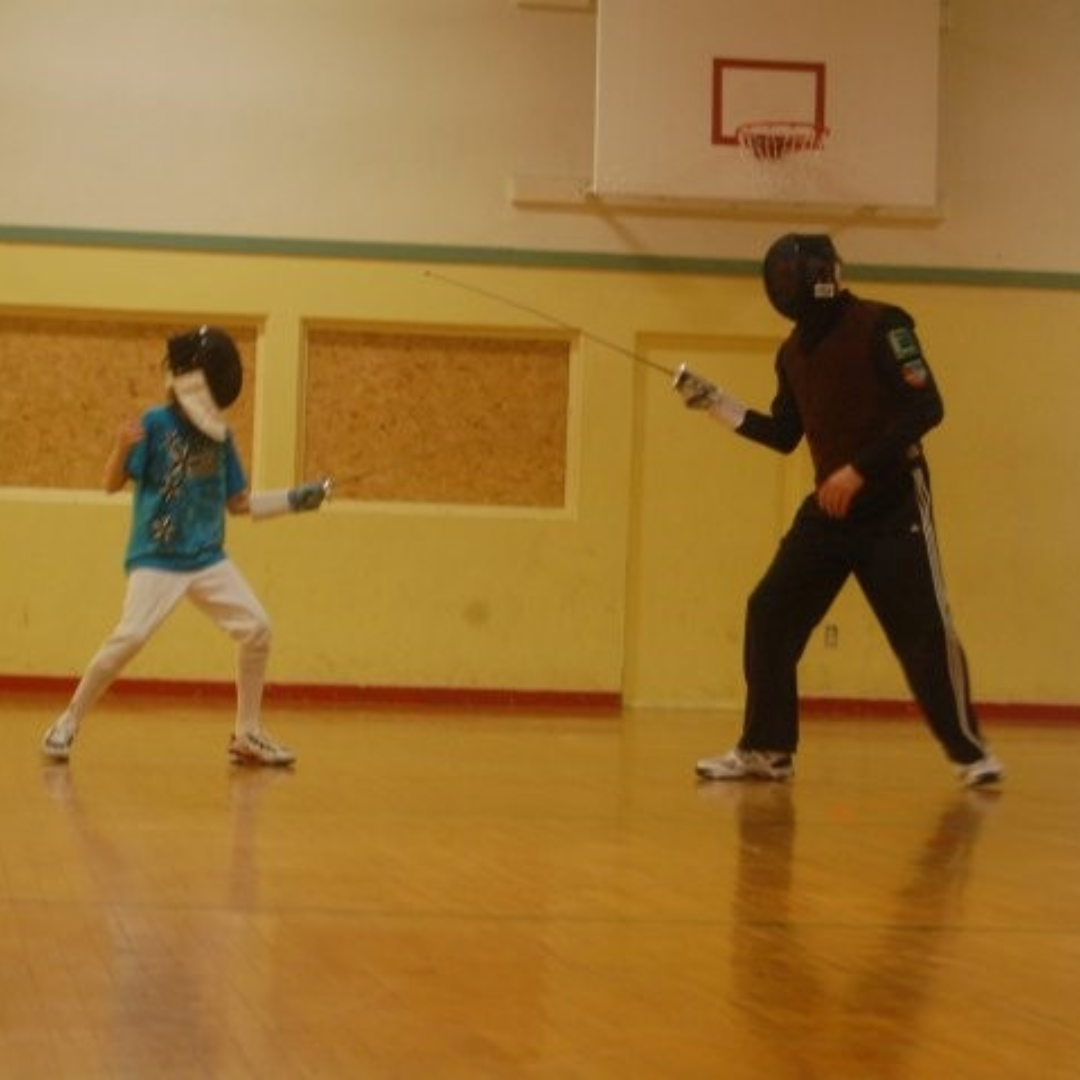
(222, 593)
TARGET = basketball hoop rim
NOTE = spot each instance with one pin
(773, 140)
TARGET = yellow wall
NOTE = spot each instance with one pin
(637, 585)
(709, 509)
(398, 595)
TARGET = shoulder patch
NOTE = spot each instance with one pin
(905, 348)
(904, 343)
(914, 373)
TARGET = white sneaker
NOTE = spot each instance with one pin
(59, 737)
(740, 764)
(987, 770)
(254, 748)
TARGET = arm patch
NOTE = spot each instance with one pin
(908, 353)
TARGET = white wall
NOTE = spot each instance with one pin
(366, 120)
(403, 122)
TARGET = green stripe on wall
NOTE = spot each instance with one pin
(492, 256)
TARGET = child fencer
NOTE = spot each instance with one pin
(187, 474)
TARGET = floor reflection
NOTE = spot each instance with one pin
(835, 984)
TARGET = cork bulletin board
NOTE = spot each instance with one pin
(413, 416)
(67, 383)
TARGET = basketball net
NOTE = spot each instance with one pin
(783, 154)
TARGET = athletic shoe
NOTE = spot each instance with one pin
(741, 764)
(59, 737)
(254, 748)
(987, 770)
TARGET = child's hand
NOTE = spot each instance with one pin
(128, 434)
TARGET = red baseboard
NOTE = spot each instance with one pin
(323, 694)
(593, 701)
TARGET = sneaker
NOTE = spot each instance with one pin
(59, 737)
(987, 770)
(741, 764)
(254, 748)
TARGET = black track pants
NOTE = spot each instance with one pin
(894, 558)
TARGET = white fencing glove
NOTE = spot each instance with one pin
(309, 496)
(699, 393)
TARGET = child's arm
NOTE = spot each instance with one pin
(268, 504)
(128, 434)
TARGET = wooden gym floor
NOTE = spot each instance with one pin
(434, 895)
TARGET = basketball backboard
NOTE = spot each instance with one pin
(676, 79)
